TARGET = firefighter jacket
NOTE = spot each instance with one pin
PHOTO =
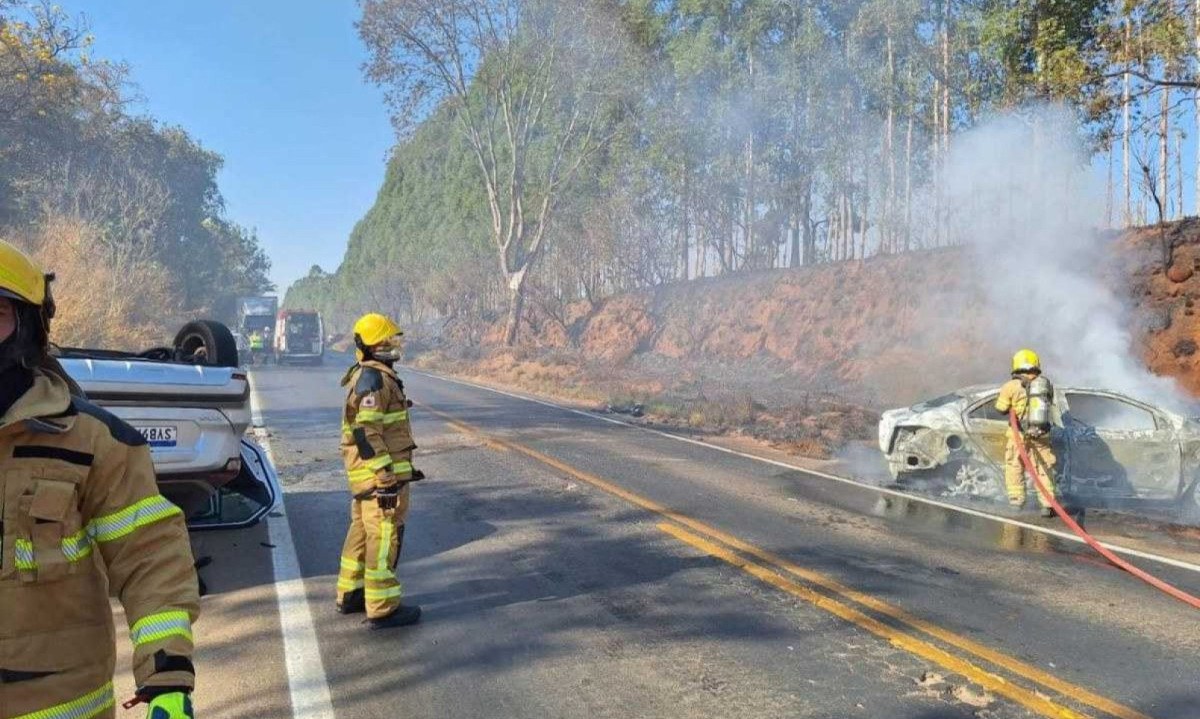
(377, 441)
(1013, 397)
(83, 519)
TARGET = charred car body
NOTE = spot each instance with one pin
(192, 404)
(1113, 450)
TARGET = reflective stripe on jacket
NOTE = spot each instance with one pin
(82, 518)
(377, 441)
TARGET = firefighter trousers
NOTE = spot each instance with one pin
(1042, 455)
(370, 553)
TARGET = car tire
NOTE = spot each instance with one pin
(214, 337)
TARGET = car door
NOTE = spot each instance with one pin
(1120, 449)
(986, 426)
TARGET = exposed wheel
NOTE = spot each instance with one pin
(207, 342)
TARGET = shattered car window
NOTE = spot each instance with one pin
(988, 411)
(1107, 413)
(935, 403)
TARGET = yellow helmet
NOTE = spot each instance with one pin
(20, 278)
(374, 328)
(1026, 361)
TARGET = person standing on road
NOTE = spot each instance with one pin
(1028, 395)
(82, 518)
(377, 447)
(257, 346)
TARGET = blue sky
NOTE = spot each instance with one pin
(275, 87)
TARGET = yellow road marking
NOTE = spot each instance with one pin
(999, 685)
(1016, 666)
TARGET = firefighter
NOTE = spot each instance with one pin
(257, 345)
(377, 449)
(1029, 395)
(82, 518)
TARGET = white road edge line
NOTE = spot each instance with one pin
(307, 683)
(1128, 551)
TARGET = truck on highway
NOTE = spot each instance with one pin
(257, 314)
(299, 337)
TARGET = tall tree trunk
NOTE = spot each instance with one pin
(1179, 213)
(794, 258)
(866, 209)
(1109, 199)
(809, 240)
(1127, 127)
(1196, 31)
(752, 252)
(516, 306)
(908, 173)
(684, 226)
(946, 75)
(887, 229)
(1164, 151)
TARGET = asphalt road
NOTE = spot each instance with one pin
(571, 567)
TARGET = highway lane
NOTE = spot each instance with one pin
(572, 567)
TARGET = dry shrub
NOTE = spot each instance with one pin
(104, 299)
(809, 447)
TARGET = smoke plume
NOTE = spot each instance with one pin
(1019, 193)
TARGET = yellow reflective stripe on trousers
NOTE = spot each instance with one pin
(394, 417)
(349, 585)
(125, 522)
(404, 467)
(352, 565)
(380, 462)
(382, 594)
(385, 544)
(75, 547)
(156, 627)
(85, 707)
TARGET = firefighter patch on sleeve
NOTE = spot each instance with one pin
(369, 402)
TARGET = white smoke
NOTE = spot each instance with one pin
(1020, 193)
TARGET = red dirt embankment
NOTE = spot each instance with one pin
(789, 346)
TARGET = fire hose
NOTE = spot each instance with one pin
(1091, 541)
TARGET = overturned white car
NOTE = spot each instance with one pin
(192, 404)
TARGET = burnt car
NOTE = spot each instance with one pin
(1113, 450)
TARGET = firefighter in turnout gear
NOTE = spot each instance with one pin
(377, 447)
(1029, 395)
(82, 518)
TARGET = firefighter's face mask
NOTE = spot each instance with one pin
(389, 351)
(19, 335)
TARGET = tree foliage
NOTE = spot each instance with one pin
(133, 195)
(750, 134)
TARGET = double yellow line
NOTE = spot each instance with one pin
(904, 630)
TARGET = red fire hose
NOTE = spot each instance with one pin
(1091, 541)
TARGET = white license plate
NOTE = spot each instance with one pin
(160, 435)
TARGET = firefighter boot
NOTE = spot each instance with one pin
(354, 602)
(403, 616)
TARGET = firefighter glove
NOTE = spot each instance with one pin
(171, 705)
(387, 498)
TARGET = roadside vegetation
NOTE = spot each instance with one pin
(126, 210)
